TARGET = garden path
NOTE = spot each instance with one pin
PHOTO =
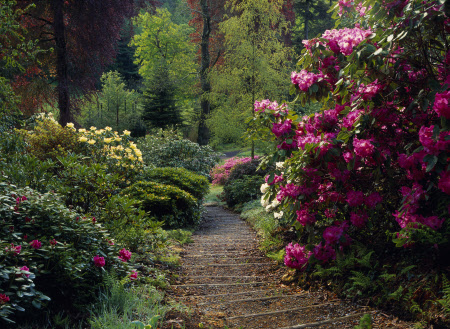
(229, 283)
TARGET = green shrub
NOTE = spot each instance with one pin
(48, 140)
(47, 252)
(242, 190)
(131, 226)
(196, 185)
(167, 149)
(244, 183)
(177, 208)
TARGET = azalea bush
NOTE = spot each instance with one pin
(371, 167)
(50, 255)
(220, 173)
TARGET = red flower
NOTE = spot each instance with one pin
(3, 299)
(124, 255)
(99, 261)
(36, 244)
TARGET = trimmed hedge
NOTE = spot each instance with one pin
(194, 184)
(177, 208)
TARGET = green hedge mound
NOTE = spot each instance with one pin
(177, 208)
(195, 184)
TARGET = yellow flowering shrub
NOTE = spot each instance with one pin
(48, 140)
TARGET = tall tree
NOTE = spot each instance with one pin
(163, 48)
(311, 18)
(160, 108)
(206, 18)
(83, 34)
(256, 63)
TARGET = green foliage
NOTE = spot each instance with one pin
(131, 227)
(15, 53)
(48, 140)
(177, 208)
(167, 149)
(244, 183)
(160, 110)
(267, 227)
(194, 184)
(256, 64)
(365, 322)
(242, 190)
(57, 245)
(124, 307)
(114, 105)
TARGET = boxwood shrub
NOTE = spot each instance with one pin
(196, 185)
(177, 208)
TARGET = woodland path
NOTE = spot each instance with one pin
(229, 283)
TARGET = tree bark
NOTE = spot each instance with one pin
(65, 116)
(203, 131)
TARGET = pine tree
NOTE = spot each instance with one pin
(160, 108)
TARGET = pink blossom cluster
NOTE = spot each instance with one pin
(220, 173)
(124, 255)
(99, 261)
(346, 161)
(442, 104)
(296, 256)
(264, 105)
(345, 40)
(305, 79)
(282, 128)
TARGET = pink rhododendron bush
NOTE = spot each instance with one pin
(370, 171)
(220, 173)
(51, 256)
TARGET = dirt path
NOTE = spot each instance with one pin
(229, 283)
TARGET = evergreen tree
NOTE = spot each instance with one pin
(160, 108)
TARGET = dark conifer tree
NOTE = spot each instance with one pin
(160, 108)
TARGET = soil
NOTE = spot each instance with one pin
(229, 283)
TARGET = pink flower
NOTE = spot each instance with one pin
(15, 249)
(133, 275)
(53, 242)
(283, 128)
(433, 222)
(441, 104)
(363, 147)
(124, 255)
(324, 252)
(99, 261)
(24, 268)
(36, 244)
(296, 256)
(3, 299)
(305, 79)
(358, 219)
(332, 234)
(305, 218)
(355, 198)
(444, 182)
(373, 199)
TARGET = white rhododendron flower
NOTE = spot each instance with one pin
(264, 187)
(278, 214)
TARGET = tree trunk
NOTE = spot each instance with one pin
(203, 131)
(65, 116)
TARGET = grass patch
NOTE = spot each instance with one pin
(266, 226)
(212, 196)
